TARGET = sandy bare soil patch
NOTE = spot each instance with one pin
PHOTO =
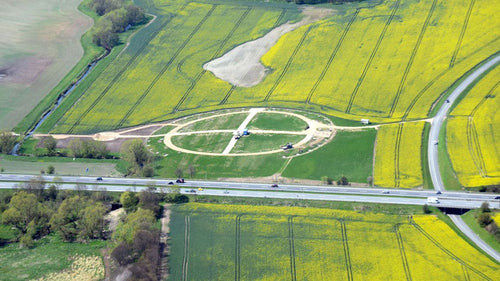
(23, 71)
(242, 67)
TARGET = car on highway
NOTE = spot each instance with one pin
(226, 192)
(99, 179)
(274, 185)
(180, 181)
(498, 197)
(200, 189)
(170, 182)
(385, 192)
(192, 191)
(438, 192)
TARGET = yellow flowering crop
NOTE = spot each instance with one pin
(396, 164)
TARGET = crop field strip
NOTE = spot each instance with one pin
(237, 249)
(472, 135)
(215, 55)
(164, 69)
(293, 270)
(287, 65)
(332, 56)
(372, 55)
(185, 259)
(448, 252)
(397, 147)
(347, 255)
(119, 74)
(462, 33)
(412, 58)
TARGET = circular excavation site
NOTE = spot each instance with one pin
(254, 131)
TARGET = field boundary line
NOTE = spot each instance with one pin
(402, 251)
(466, 273)
(280, 17)
(215, 55)
(332, 56)
(291, 242)
(120, 73)
(446, 251)
(397, 147)
(347, 256)
(412, 59)
(237, 254)
(288, 63)
(462, 33)
(372, 56)
(164, 69)
(185, 258)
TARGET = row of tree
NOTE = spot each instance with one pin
(115, 18)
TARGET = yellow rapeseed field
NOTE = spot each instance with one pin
(398, 155)
(473, 134)
(278, 243)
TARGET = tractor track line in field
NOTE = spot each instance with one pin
(215, 55)
(475, 147)
(397, 147)
(347, 256)
(399, 238)
(228, 94)
(287, 65)
(332, 56)
(473, 138)
(412, 58)
(233, 87)
(462, 33)
(119, 74)
(372, 56)
(185, 258)
(466, 273)
(448, 252)
(164, 69)
(237, 254)
(293, 271)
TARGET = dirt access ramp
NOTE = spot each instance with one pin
(242, 67)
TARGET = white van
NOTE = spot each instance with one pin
(433, 200)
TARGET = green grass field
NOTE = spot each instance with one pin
(224, 122)
(213, 142)
(264, 142)
(246, 242)
(49, 255)
(349, 154)
(277, 122)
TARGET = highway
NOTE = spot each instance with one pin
(237, 189)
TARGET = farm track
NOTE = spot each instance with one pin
(448, 252)
(164, 69)
(291, 241)
(332, 56)
(412, 58)
(185, 258)
(287, 65)
(473, 138)
(237, 254)
(215, 55)
(233, 87)
(347, 256)
(397, 147)
(372, 56)
(119, 74)
(462, 33)
(399, 238)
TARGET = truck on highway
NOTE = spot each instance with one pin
(433, 200)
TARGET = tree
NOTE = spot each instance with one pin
(150, 200)
(92, 222)
(7, 142)
(426, 209)
(136, 154)
(66, 221)
(103, 34)
(485, 208)
(142, 219)
(343, 181)
(102, 7)
(76, 145)
(369, 180)
(129, 201)
(50, 144)
(135, 15)
(36, 185)
(25, 213)
(484, 219)
(178, 172)
(50, 170)
(192, 171)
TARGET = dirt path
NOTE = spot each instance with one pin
(165, 230)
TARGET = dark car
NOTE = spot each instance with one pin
(438, 192)
(498, 197)
(99, 179)
(170, 182)
(179, 181)
(274, 185)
